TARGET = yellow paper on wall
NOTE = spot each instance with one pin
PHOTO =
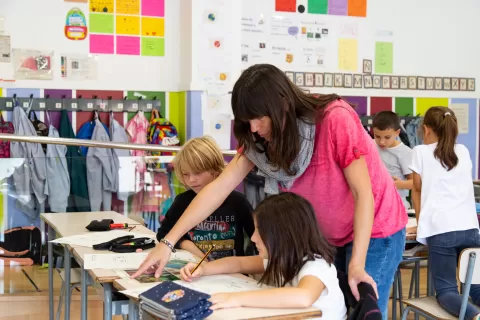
(128, 6)
(128, 25)
(423, 104)
(153, 27)
(101, 6)
(348, 55)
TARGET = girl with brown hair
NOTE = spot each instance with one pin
(444, 203)
(314, 146)
(293, 256)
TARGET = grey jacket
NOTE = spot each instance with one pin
(101, 179)
(29, 179)
(120, 156)
(57, 186)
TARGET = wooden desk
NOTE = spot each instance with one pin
(229, 314)
(73, 223)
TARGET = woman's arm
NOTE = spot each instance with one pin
(206, 202)
(417, 194)
(358, 179)
(304, 295)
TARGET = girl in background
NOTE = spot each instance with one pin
(444, 202)
(293, 256)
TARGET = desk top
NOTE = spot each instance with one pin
(240, 313)
(73, 223)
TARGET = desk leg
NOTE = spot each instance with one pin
(84, 294)
(107, 301)
(68, 271)
(50, 280)
(132, 310)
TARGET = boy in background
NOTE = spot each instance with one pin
(396, 156)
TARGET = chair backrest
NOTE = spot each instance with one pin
(466, 256)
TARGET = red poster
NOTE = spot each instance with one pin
(285, 5)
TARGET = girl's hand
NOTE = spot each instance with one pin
(186, 272)
(224, 301)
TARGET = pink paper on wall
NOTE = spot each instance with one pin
(101, 44)
(153, 8)
(128, 45)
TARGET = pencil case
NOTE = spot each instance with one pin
(172, 301)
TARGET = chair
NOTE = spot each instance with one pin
(75, 281)
(467, 274)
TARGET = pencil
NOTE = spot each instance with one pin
(204, 257)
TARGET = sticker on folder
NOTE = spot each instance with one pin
(173, 295)
(76, 25)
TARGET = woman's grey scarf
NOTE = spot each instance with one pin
(274, 178)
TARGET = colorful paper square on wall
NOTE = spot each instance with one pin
(154, 27)
(105, 6)
(127, 7)
(127, 25)
(101, 23)
(423, 104)
(153, 47)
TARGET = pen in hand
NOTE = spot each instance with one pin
(203, 259)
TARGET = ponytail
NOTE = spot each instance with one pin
(444, 123)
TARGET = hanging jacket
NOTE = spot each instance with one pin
(86, 132)
(124, 166)
(57, 186)
(100, 171)
(412, 131)
(77, 169)
(29, 179)
(404, 136)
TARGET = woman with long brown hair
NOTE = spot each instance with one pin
(444, 203)
(316, 147)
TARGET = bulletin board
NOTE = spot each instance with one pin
(373, 47)
(119, 44)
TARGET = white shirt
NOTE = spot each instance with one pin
(331, 302)
(447, 200)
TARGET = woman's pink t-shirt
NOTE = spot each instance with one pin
(339, 140)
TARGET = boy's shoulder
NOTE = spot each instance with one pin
(401, 149)
(236, 196)
(186, 196)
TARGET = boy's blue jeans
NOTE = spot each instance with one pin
(383, 257)
(443, 252)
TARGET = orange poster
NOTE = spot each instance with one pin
(357, 8)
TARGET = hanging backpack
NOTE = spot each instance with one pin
(22, 246)
(5, 127)
(162, 132)
(40, 127)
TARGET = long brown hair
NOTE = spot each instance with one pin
(263, 90)
(443, 122)
(289, 230)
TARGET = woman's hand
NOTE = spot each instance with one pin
(186, 272)
(157, 258)
(224, 301)
(357, 274)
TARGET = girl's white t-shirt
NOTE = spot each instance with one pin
(447, 198)
(331, 302)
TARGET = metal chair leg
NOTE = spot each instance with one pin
(405, 314)
(412, 284)
(60, 301)
(400, 292)
(395, 296)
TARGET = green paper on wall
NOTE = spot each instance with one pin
(384, 57)
(148, 95)
(101, 23)
(318, 6)
(153, 47)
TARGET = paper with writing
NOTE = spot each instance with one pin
(348, 55)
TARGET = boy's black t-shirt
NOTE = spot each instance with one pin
(224, 227)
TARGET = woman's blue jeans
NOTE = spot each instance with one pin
(383, 257)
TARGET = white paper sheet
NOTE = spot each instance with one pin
(91, 238)
(222, 283)
(123, 261)
(461, 112)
